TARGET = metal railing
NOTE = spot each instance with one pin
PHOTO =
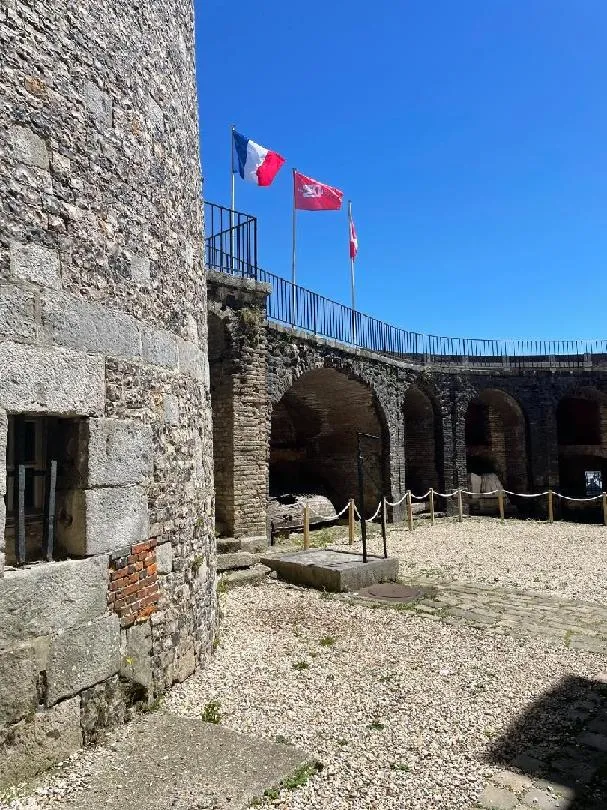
(231, 247)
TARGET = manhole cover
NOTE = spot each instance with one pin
(393, 592)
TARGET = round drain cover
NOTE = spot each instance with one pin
(393, 592)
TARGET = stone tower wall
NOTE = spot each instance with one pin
(103, 338)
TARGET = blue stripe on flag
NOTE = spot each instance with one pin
(240, 152)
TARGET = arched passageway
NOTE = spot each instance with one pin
(313, 439)
(423, 442)
(581, 419)
(496, 443)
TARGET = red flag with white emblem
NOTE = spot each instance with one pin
(353, 236)
(310, 195)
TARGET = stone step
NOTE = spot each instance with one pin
(227, 545)
(245, 576)
(237, 559)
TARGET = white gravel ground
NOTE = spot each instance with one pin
(400, 709)
(561, 559)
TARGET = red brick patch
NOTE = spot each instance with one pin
(133, 592)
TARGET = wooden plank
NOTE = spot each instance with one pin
(409, 511)
(500, 503)
(431, 506)
(460, 507)
(550, 509)
(351, 521)
(306, 527)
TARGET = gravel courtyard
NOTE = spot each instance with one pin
(402, 709)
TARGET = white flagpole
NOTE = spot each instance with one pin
(293, 275)
(351, 271)
(232, 198)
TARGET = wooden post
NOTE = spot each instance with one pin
(351, 521)
(409, 511)
(550, 511)
(431, 506)
(605, 508)
(460, 508)
(500, 503)
(384, 533)
(306, 527)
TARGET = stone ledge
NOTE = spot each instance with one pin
(336, 571)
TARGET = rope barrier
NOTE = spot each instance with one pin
(397, 503)
(420, 497)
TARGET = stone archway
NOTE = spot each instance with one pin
(496, 441)
(313, 439)
(423, 442)
(581, 418)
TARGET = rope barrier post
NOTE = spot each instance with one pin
(351, 521)
(605, 508)
(550, 511)
(361, 498)
(460, 508)
(431, 506)
(306, 528)
(500, 503)
(384, 534)
(409, 511)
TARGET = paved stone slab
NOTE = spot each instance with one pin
(162, 761)
(497, 798)
(336, 571)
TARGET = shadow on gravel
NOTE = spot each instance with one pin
(562, 739)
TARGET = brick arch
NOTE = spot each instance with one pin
(496, 438)
(313, 428)
(423, 438)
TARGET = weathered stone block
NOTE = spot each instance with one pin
(28, 147)
(81, 657)
(193, 361)
(120, 452)
(101, 707)
(159, 347)
(36, 743)
(104, 520)
(98, 103)
(51, 597)
(164, 558)
(50, 380)
(17, 313)
(171, 410)
(136, 654)
(35, 263)
(140, 270)
(73, 322)
(18, 683)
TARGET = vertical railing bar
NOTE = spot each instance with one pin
(20, 549)
(49, 508)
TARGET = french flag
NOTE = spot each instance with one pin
(253, 162)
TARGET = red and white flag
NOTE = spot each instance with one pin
(310, 195)
(353, 236)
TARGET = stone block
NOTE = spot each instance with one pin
(136, 655)
(120, 452)
(101, 707)
(81, 657)
(495, 798)
(140, 270)
(171, 410)
(103, 520)
(185, 665)
(38, 742)
(193, 361)
(18, 683)
(51, 597)
(98, 103)
(164, 558)
(159, 347)
(336, 571)
(72, 322)
(35, 263)
(17, 313)
(28, 147)
(62, 381)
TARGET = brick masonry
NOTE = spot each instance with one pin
(134, 588)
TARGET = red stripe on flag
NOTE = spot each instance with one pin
(269, 168)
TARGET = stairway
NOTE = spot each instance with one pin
(238, 562)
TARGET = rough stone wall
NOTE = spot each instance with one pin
(239, 393)
(103, 321)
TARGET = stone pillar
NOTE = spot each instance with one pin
(239, 383)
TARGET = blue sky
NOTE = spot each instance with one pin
(471, 137)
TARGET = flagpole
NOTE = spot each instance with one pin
(293, 275)
(232, 198)
(352, 271)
